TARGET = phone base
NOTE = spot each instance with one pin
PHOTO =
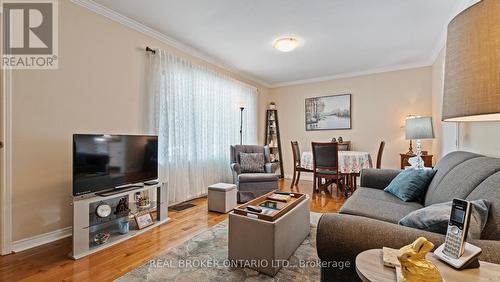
(468, 260)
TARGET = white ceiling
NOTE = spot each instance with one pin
(340, 37)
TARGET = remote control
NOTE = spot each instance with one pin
(151, 183)
(254, 209)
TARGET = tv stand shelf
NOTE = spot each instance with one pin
(84, 230)
(120, 190)
(117, 238)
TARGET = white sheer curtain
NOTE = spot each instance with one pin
(196, 114)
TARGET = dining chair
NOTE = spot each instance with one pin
(297, 169)
(379, 154)
(326, 165)
(354, 176)
(345, 146)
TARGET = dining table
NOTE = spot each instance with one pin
(350, 162)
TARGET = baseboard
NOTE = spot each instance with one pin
(302, 177)
(38, 240)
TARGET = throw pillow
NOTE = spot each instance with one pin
(434, 218)
(252, 162)
(411, 184)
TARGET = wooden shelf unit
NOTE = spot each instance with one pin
(273, 139)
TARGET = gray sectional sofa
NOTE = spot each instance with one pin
(369, 218)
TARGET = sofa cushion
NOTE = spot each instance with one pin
(377, 204)
(257, 177)
(328, 172)
(434, 218)
(411, 184)
(490, 189)
(237, 149)
(252, 162)
(460, 181)
(443, 167)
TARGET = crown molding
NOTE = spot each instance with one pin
(115, 16)
(422, 64)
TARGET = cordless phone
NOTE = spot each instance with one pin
(457, 228)
(455, 251)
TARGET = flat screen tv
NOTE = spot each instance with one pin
(104, 162)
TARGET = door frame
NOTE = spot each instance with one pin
(6, 163)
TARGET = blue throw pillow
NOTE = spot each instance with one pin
(434, 218)
(411, 184)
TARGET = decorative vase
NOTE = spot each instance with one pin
(123, 226)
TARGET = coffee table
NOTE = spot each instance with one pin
(370, 268)
(264, 243)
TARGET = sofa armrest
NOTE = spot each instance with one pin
(377, 178)
(341, 237)
(270, 167)
(236, 169)
(490, 249)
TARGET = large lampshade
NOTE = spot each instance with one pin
(419, 128)
(472, 79)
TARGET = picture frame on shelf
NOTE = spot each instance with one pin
(143, 220)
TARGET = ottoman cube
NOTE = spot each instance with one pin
(269, 243)
(221, 197)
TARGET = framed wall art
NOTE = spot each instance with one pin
(328, 112)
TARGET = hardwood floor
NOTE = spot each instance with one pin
(50, 262)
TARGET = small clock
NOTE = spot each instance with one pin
(103, 210)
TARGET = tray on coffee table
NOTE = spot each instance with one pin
(284, 207)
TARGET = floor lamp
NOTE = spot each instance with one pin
(472, 80)
(241, 124)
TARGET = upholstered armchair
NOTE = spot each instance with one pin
(253, 184)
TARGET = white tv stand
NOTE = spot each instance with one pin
(84, 230)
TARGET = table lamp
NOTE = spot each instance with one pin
(410, 149)
(419, 128)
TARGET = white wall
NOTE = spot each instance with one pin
(446, 132)
(380, 104)
(98, 87)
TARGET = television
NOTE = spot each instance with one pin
(105, 162)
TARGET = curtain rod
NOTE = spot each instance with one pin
(148, 49)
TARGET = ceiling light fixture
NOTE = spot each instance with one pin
(286, 43)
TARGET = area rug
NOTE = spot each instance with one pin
(204, 258)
